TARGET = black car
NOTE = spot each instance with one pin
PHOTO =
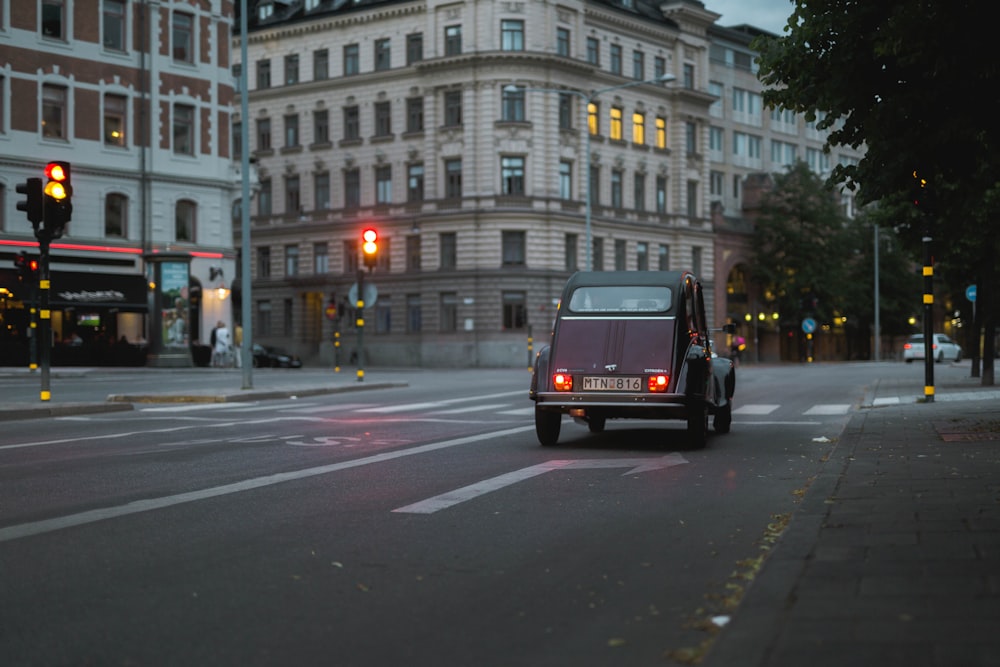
(632, 345)
(265, 356)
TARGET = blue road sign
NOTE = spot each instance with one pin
(808, 325)
(970, 293)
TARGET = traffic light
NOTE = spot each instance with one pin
(32, 205)
(369, 247)
(58, 207)
(27, 268)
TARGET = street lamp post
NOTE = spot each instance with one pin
(588, 98)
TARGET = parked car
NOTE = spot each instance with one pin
(631, 345)
(943, 348)
(265, 356)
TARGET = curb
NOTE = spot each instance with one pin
(249, 394)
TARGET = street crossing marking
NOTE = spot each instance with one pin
(755, 409)
(829, 409)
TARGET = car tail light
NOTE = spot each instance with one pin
(562, 382)
(907, 346)
(934, 346)
(658, 383)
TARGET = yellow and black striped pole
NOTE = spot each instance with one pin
(928, 320)
(44, 317)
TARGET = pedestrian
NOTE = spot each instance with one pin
(238, 345)
(221, 348)
(211, 344)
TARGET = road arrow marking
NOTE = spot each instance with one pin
(446, 500)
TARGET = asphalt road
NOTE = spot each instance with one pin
(419, 525)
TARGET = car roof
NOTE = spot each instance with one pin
(672, 279)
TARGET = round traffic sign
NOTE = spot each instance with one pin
(808, 325)
(970, 293)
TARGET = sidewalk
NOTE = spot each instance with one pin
(893, 557)
(70, 395)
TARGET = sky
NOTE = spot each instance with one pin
(770, 15)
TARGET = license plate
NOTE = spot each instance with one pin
(606, 383)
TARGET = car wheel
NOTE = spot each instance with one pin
(547, 423)
(596, 423)
(723, 421)
(940, 357)
(697, 426)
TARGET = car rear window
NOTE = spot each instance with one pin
(620, 299)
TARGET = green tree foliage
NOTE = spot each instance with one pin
(910, 81)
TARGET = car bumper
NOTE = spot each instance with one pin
(637, 406)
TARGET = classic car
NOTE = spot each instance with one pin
(631, 345)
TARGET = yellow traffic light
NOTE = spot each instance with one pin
(369, 247)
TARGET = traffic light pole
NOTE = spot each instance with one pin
(44, 341)
(360, 324)
(928, 319)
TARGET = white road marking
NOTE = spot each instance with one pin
(828, 409)
(191, 407)
(892, 400)
(451, 498)
(58, 523)
(385, 409)
(755, 409)
(469, 408)
(519, 412)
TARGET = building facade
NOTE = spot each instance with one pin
(137, 97)
(468, 134)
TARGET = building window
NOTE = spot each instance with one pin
(565, 179)
(638, 128)
(263, 74)
(615, 131)
(415, 114)
(663, 258)
(453, 178)
(183, 129)
(512, 104)
(415, 182)
(661, 194)
(639, 191)
(593, 51)
(291, 69)
(288, 317)
(617, 175)
(595, 184)
(661, 132)
(696, 260)
(54, 112)
(383, 316)
(659, 67)
(692, 199)
(263, 134)
(351, 60)
(321, 126)
(293, 195)
(616, 59)
(513, 247)
(352, 188)
(452, 40)
(383, 54)
(511, 35)
(352, 123)
(688, 76)
(512, 175)
(185, 221)
(321, 190)
(321, 257)
(448, 247)
(383, 119)
(414, 48)
(716, 183)
(690, 138)
(593, 122)
(562, 42)
(237, 141)
(413, 314)
(321, 64)
(264, 262)
(115, 215)
(54, 19)
(350, 250)
(565, 111)
(182, 37)
(413, 256)
(620, 247)
(597, 253)
(453, 108)
(291, 131)
(515, 310)
(638, 65)
(113, 24)
(291, 260)
(262, 326)
(383, 184)
(264, 203)
(572, 243)
(642, 256)
(449, 311)
(114, 120)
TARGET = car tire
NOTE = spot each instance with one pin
(547, 424)
(697, 427)
(940, 357)
(596, 423)
(723, 421)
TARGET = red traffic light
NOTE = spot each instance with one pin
(58, 186)
(369, 247)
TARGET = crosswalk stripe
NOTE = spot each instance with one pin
(755, 409)
(828, 409)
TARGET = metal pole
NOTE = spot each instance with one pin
(878, 327)
(45, 316)
(360, 324)
(589, 248)
(246, 316)
(928, 320)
